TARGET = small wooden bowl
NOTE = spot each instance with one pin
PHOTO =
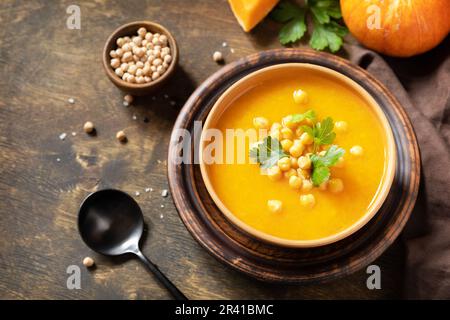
(130, 29)
(277, 71)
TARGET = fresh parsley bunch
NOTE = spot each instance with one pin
(325, 15)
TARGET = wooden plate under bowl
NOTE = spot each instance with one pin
(280, 264)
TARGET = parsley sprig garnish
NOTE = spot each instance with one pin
(268, 152)
(321, 164)
(325, 15)
(321, 132)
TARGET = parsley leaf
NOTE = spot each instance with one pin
(327, 32)
(319, 175)
(325, 10)
(286, 11)
(295, 27)
(310, 114)
(268, 152)
(321, 164)
(327, 35)
(322, 132)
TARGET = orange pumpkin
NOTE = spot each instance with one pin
(250, 12)
(400, 28)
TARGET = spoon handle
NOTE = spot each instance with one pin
(176, 293)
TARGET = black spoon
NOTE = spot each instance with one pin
(111, 223)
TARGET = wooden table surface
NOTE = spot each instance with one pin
(43, 179)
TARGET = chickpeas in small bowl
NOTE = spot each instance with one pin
(139, 57)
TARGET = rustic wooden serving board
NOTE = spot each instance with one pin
(277, 264)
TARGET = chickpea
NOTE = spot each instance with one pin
(131, 79)
(340, 163)
(142, 32)
(157, 62)
(287, 133)
(146, 70)
(335, 185)
(156, 41)
(148, 36)
(291, 172)
(141, 52)
(115, 63)
(307, 185)
(139, 64)
(297, 149)
(121, 136)
(284, 164)
(356, 151)
(163, 39)
(155, 75)
(275, 205)
(217, 56)
(161, 69)
(166, 50)
(124, 67)
(341, 126)
(295, 182)
(300, 96)
(126, 47)
(137, 41)
(125, 76)
(119, 53)
(127, 39)
(113, 54)
(260, 123)
(168, 58)
(288, 123)
(132, 69)
(294, 162)
(128, 98)
(307, 200)
(120, 42)
(88, 127)
(127, 56)
(139, 72)
(306, 139)
(304, 162)
(286, 144)
(88, 261)
(119, 72)
(140, 79)
(274, 173)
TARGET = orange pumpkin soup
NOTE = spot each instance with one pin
(275, 206)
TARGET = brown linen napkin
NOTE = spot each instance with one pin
(421, 84)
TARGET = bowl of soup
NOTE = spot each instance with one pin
(297, 155)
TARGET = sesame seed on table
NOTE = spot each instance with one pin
(45, 176)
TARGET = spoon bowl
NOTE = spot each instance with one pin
(110, 222)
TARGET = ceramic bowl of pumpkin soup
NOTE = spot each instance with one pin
(297, 155)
